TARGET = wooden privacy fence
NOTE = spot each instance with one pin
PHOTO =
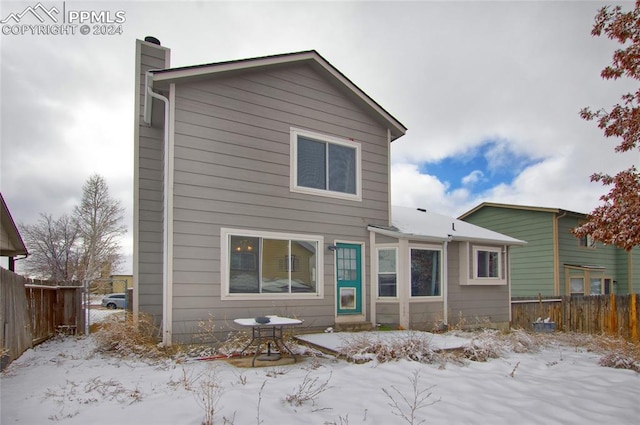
(15, 335)
(594, 314)
(33, 311)
(54, 309)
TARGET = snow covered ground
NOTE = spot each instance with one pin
(66, 381)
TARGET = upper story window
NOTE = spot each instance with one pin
(587, 242)
(325, 165)
(270, 265)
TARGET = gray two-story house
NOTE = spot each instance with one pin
(262, 187)
(554, 262)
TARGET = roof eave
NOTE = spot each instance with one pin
(518, 207)
(172, 75)
(439, 239)
(13, 233)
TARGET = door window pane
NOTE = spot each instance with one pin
(347, 264)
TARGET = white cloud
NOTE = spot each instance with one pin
(473, 177)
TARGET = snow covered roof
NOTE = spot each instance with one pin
(425, 225)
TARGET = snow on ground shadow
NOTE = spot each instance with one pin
(523, 378)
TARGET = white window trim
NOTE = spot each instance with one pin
(468, 265)
(295, 132)
(427, 297)
(475, 250)
(225, 236)
(377, 269)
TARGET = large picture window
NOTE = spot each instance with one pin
(425, 273)
(387, 272)
(262, 263)
(325, 165)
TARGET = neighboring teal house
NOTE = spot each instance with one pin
(554, 262)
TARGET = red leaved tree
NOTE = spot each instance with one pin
(617, 220)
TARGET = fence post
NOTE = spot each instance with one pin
(633, 317)
(612, 315)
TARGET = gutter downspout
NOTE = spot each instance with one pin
(507, 250)
(389, 177)
(166, 270)
(373, 264)
(445, 282)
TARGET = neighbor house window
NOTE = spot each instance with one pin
(595, 286)
(488, 263)
(325, 165)
(425, 273)
(387, 272)
(262, 263)
(577, 285)
(587, 242)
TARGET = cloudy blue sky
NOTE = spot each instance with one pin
(490, 93)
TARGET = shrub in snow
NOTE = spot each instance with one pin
(308, 390)
(620, 360)
(521, 341)
(491, 344)
(486, 345)
(410, 346)
(208, 394)
(125, 336)
(407, 406)
(619, 354)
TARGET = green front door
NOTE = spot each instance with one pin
(349, 279)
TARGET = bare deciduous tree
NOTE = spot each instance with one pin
(99, 219)
(81, 246)
(54, 248)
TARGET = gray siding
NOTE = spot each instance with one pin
(148, 183)
(232, 139)
(426, 316)
(471, 305)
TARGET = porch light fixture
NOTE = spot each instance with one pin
(332, 247)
